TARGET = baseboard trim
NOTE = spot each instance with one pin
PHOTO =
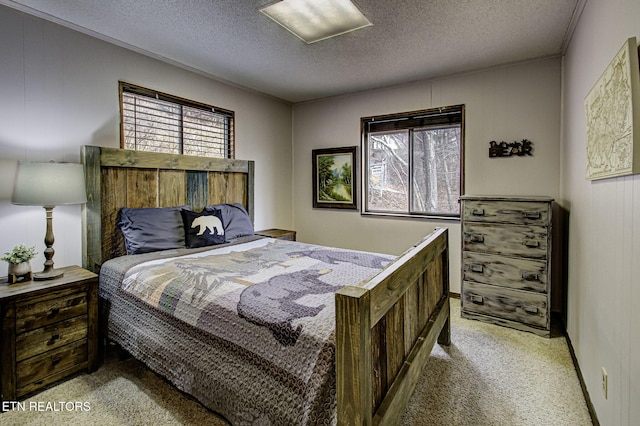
(585, 392)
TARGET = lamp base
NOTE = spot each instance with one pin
(48, 275)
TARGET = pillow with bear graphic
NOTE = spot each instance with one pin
(203, 229)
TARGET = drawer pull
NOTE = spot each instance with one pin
(530, 276)
(479, 300)
(531, 309)
(532, 243)
(55, 361)
(53, 339)
(477, 212)
(477, 268)
(531, 215)
(54, 312)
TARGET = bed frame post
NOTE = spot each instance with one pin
(91, 211)
(250, 190)
(353, 356)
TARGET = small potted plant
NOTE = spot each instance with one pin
(19, 258)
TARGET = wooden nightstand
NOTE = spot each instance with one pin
(281, 234)
(49, 331)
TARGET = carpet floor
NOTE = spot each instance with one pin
(489, 375)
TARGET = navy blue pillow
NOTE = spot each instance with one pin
(203, 229)
(152, 229)
(237, 222)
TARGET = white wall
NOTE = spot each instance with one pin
(59, 90)
(604, 227)
(504, 104)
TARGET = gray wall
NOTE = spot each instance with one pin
(59, 90)
(504, 104)
(604, 226)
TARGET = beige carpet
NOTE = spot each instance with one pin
(488, 376)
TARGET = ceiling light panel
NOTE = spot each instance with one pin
(313, 20)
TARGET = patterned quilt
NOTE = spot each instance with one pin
(262, 314)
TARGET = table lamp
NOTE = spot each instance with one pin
(49, 185)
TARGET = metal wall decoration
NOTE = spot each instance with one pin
(509, 149)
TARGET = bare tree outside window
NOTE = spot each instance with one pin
(413, 162)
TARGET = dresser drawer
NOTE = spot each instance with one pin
(52, 336)
(38, 367)
(509, 240)
(37, 313)
(511, 272)
(514, 212)
(520, 306)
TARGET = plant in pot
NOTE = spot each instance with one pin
(19, 258)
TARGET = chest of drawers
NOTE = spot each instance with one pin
(506, 261)
(49, 331)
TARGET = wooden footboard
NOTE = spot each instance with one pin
(386, 329)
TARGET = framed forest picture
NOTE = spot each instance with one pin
(334, 178)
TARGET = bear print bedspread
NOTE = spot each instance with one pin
(270, 302)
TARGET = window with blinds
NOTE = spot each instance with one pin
(154, 121)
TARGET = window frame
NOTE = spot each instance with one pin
(124, 87)
(423, 119)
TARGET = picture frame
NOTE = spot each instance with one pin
(612, 109)
(335, 172)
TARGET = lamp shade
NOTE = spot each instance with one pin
(49, 184)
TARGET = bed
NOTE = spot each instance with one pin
(383, 323)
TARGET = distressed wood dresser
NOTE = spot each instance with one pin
(506, 261)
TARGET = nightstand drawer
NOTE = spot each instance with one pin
(51, 362)
(511, 272)
(510, 240)
(50, 337)
(520, 306)
(39, 313)
(515, 212)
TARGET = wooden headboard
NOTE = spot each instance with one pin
(117, 178)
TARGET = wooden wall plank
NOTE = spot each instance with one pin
(379, 363)
(228, 188)
(114, 157)
(197, 190)
(434, 283)
(394, 337)
(114, 197)
(411, 317)
(423, 290)
(142, 188)
(172, 187)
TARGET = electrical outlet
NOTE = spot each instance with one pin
(605, 383)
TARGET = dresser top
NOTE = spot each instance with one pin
(506, 198)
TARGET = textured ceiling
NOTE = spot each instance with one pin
(410, 40)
